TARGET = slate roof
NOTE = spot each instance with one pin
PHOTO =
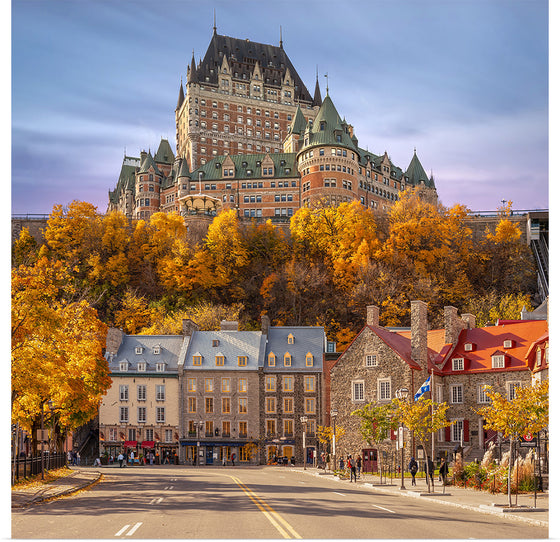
(164, 153)
(416, 173)
(126, 179)
(242, 55)
(306, 339)
(170, 348)
(231, 344)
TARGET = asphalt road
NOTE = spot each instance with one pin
(248, 503)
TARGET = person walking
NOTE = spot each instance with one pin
(341, 464)
(233, 460)
(413, 468)
(121, 459)
(352, 464)
(443, 471)
(430, 473)
(359, 465)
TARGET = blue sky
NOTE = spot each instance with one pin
(465, 82)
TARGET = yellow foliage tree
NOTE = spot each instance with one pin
(525, 413)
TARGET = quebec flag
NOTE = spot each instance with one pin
(423, 389)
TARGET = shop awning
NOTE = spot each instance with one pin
(185, 442)
(147, 444)
(130, 443)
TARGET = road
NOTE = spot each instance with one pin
(248, 503)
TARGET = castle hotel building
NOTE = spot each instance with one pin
(250, 137)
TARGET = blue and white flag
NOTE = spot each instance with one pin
(423, 389)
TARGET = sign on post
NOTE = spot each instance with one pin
(42, 435)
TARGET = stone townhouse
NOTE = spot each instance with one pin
(219, 395)
(461, 360)
(140, 411)
(496, 356)
(292, 397)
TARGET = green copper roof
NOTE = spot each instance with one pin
(249, 167)
(299, 124)
(416, 173)
(164, 153)
(328, 128)
(147, 162)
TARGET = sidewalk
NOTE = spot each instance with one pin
(78, 479)
(470, 499)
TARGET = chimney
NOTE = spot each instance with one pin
(114, 340)
(226, 325)
(372, 317)
(454, 324)
(470, 319)
(189, 327)
(419, 335)
(265, 324)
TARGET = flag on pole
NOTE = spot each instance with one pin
(423, 389)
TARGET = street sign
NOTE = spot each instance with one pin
(528, 437)
(42, 435)
(528, 443)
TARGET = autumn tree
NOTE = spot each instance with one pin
(423, 417)
(24, 249)
(56, 349)
(525, 413)
(327, 435)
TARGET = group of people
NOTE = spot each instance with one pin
(443, 470)
(73, 457)
(353, 465)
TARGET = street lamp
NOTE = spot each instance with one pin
(42, 440)
(303, 420)
(334, 414)
(401, 395)
(198, 428)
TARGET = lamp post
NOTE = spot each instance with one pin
(42, 441)
(198, 428)
(402, 395)
(303, 420)
(334, 414)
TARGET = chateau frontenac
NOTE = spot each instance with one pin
(250, 137)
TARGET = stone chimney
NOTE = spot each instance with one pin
(372, 317)
(189, 327)
(453, 324)
(226, 325)
(470, 319)
(419, 333)
(114, 340)
(265, 324)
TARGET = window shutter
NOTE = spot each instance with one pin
(448, 433)
(466, 430)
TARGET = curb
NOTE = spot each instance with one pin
(483, 508)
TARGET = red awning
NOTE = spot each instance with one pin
(130, 443)
(147, 444)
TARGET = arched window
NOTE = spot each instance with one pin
(309, 359)
(287, 359)
(271, 359)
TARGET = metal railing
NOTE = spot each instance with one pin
(23, 467)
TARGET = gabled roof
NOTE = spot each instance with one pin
(489, 340)
(531, 352)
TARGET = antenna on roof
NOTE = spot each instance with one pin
(214, 20)
(327, 76)
(281, 43)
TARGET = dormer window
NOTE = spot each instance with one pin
(220, 359)
(287, 359)
(539, 357)
(215, 342)
(458, 364)
(271, 359)
(123, 366)
(469, 347)
(498, 361)
(290, 339)
(309, 359)
(157, 349)
(242, 361)
(197, 359)
(508, 343)
(141, 367)
(160, 367)
(139, 350)
(322, 126)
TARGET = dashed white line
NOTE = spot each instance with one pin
(341, 494)
(386, 509)
(133, 530)
(122, 530)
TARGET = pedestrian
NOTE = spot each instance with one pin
(132, 458)
(341, 464)
(359, 465)
(121, 459)
(443, 470)
(233, 460)
(352, 464)
(223, 460)
(430, 471)
(97, 462)
(78, 458)
(151, 458)
(413, 468)
(69, 457)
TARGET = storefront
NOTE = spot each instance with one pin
(214, 453)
